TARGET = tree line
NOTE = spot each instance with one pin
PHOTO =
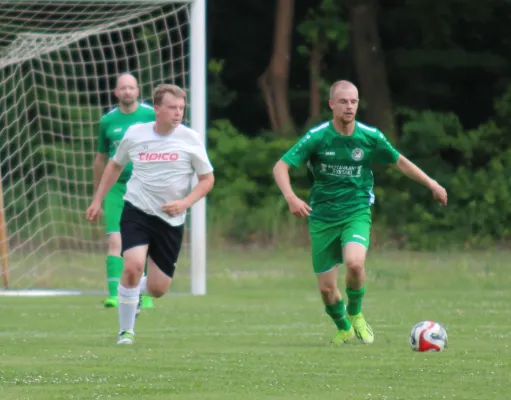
(434, 76)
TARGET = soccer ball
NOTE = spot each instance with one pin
(428, 336)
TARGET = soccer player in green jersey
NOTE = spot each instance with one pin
(111, 131)
(339, 154)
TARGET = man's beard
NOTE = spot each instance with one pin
(347, 121)
(127, 103)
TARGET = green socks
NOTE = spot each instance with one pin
(338, 314)
(355, 300)
(337, 311)
(114, 267)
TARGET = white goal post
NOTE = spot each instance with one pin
(58, 62)
(198, 123)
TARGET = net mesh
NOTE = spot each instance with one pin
(58, 64)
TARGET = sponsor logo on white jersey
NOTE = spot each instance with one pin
(158, 156)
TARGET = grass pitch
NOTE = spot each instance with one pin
(261, 333)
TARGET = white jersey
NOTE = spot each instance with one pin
(163, 167)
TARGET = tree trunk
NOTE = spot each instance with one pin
(370, 65)
(274, 81)
(315, 82)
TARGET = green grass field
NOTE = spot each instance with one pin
(261, 333)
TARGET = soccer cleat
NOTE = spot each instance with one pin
(144, 302)
(126, 338)
(342, 336)
(362, 328)
(111, 302)
(139, 306)
(147, 302)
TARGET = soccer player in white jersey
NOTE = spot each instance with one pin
(165, 156)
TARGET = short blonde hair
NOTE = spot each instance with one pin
(341, 84)
(160, 91)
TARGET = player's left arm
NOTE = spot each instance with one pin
(409, 169)
(203, 187)
(204, 170)
(387, 154)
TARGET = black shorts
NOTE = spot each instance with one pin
(164, 240)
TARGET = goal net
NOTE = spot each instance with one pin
(59, 60)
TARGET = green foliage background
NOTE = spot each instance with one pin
(453, 128)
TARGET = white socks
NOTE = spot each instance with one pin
(143, 286)
(128, 301)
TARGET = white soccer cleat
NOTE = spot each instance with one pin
(126, 338)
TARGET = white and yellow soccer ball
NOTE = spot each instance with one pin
(428, 336)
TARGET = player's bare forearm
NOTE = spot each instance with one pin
(203, 187)
(412, 171)
(281, 175)
(297, 206)
(110, 176)
(99, 167)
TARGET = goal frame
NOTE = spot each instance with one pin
(198, 122)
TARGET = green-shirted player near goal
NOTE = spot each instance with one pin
(112, 127)
(339, 154)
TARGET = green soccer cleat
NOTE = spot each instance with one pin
(111, 302)
(144, 302)
(362, 328)
(126, 338)
(342, 336)
(147, 302)
(139, 307)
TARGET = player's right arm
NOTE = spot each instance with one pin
(297, 206)
(99, 167)
(101, 156)
(295, 156)
(110, 175)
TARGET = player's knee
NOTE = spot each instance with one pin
(133, 268)
(158, 289)
(329, 292)
(355, 264)
(157, 293)
(327, 288)
(114, 244)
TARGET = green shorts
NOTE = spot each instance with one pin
(113, 205)
(329, 238)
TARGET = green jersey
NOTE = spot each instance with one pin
(112, 127)
(341, 168)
